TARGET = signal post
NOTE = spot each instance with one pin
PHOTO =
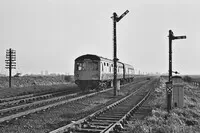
(115, 59)
(169, 83)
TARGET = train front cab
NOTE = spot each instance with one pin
(86, 72)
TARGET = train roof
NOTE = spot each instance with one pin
(92, 57)
(128, 65)
(96, 57)
(87, 56)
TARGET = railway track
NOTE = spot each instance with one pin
(27, 99)
(7, 114)
(32, 97)
(3, 100)
(16, 111)
(111, 118)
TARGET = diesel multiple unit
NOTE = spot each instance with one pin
(94, 72)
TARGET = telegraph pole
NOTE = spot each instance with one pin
(169, 83)
(10, 62)
(115, 59)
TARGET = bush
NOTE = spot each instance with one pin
(187, 78)
(69, 78)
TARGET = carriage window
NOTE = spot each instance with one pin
(131, 71)
(90, 66)
(80, 66)
(104, 63)
(95, 65)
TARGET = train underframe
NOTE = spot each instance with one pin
(86, 85)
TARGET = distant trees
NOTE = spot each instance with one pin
(187, 78)
(69, 78)
(17, 74)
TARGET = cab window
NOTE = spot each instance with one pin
(80, 66)
(89, 66)
(93, 66)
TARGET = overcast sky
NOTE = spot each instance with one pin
(50, 34)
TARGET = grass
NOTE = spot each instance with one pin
(185, 120)
(24, 85)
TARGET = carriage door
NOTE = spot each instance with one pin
(123, 71)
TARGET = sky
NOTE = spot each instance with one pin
(48, 35)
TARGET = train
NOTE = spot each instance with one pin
(96, 72)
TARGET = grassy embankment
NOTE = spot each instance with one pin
(185, 120)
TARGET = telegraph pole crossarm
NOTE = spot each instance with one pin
(10, 62)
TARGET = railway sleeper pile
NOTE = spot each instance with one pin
(111, 118)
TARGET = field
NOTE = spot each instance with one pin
(185, 120)
(34, 84)
(195, 77)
